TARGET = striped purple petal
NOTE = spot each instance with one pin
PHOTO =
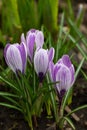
(5, 50)
(13, 57)
(41, 62)
(66, 60)
(51, 54)
(64, 78)
(39, 39)
(16, 56)
(30, 39)
(23, 53)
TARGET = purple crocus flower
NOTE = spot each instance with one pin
(42, 58)
(34, 38)
(63, 71)
(15, 57)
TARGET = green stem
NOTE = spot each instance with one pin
(29, 116)
(34, 81)
(53, 100)
(61, 120)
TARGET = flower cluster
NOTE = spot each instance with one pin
(16, 54)
(31, 47)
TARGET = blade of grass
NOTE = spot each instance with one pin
(79, 68)
(77, 109)
(65, 99)
(84, 74)
(53, 100)
(77, 31)
(10, 106)
(28, 14)
(80, 15)
(13, 101)
(77, 45)
(70, 122)
(8, 94)
(9, 83)
(53, 83)
(48, 12)
(59, 42)
(70, 8)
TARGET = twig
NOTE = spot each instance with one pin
(75, 117)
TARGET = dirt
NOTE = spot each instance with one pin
(13, 120)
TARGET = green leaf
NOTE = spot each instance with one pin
(10, 106)
(10, 18)
(2, 39)
(8, 94)
(70, 8)
(70, 122)
(37, 105)
(9, 83)
(28, 115)
(10, 97)
(65, 100)
(77, 109)
(84, 74)
(77, 32)
(48, 14)
(77, 45)
(59, 42)
(28, 14)
(13, 101)
(26, 89)
(53, 100)
(80, 15)
(53, 83)
(79, 67)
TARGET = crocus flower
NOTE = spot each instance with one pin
(15, 57)
(34, 38)
(42, 59)
(63, 71)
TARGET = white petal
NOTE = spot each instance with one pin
(39, 39)
(64, 78)
(41, 61)
(14, 58)
(23, 38)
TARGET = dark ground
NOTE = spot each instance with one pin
(13, 120)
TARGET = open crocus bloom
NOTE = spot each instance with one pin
(63, 71)
(42, 58)
(16, 57)
(34, 37)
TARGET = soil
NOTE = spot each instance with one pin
(13, 120)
